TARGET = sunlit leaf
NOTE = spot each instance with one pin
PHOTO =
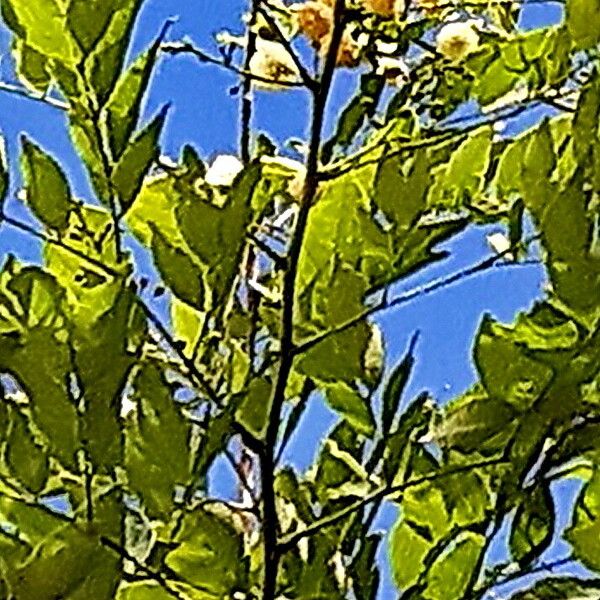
(157, 423)
(209, 554)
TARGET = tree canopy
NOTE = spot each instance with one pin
(273, 265)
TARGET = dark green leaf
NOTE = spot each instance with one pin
(533, 525)
(178, 270)
(47, 189)
(69, 565)
(32, 66)
(88, 20)
(139, 155)
(392, 393)
(583, 22)
(506, 371)
(105, 351)
(124, 105)
(27, 460)
(217, 235)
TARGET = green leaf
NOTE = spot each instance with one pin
(157, 424)
(141, 590)
(105, 351)
(543, 328)
(124, 105)
(42, 24)
(461, 180)
(32, 67)
(254, 407)
(27, 460)
(104, 63)
(584, 532)
(350, 405)
(533, 525)
(506, 370)
(88, 20)
(209, 554)
(85, 139)
(90, 290)
(424, 520)
(178, 270)
(34, 351)
(450, 574)
(217, 236)
(476, 423)
(47, 189)
(583, 22)
(338, 357)
(392, 393)
(69, 565)
(139, 155)
(561, 588)
(574, 270)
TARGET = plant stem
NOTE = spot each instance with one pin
(270, 520)
(246, 108)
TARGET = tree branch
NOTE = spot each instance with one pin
(320, 97)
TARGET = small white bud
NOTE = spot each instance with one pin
(223, 171)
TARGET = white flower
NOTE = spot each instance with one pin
(457, 40)
(273, 62)
(394, 69)
(500, 244)
(223, 171)
(386, 47)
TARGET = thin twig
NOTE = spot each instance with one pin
(287, 542)
(544, 567)
(176, 48)
(306, 77)
(18, 90)
(157, 576)
(418, 292)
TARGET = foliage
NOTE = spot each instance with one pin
(273, 269)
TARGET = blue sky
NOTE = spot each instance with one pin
(205, 114)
